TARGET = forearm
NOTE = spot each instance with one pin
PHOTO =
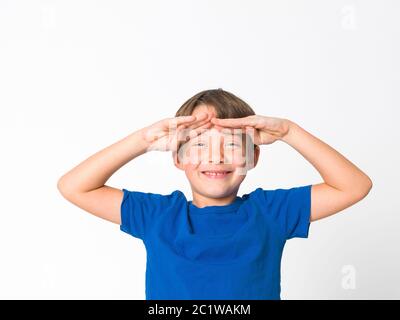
(334, 168)
(93, 172)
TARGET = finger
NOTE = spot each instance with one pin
(249, 130)
(239, 122)
(234, 122)
(250, 133)
(186, 134)
(197, 123)
(202, 115)
(175, 122)
(183, 135)
(196, 132)
(202, 118)
(200, 123)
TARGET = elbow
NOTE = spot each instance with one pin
(365, 188)
(62, 187)
(368, 184)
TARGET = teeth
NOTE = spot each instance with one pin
(215, 173)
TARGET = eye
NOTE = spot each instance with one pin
(199, 144)
(233, 144)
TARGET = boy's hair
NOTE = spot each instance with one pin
(226, 104)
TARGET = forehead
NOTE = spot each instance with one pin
(203, 108)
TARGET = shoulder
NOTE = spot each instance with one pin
(153, 198)
(289, 208)
(272, 197)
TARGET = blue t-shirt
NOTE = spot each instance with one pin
(216, 252)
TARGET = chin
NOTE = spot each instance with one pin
(217, 192)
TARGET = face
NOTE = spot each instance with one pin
(216, 161)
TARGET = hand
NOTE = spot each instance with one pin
(167, 134)
(264, 130)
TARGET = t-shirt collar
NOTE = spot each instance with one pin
(233, 206)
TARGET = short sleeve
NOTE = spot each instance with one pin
(140, 209)
(291, 208)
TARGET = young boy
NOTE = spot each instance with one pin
(218, 245)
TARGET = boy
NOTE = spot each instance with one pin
(218, 245)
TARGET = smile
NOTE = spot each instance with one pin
(216, 174)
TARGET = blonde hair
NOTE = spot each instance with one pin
(226, 104)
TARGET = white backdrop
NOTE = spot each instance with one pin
(76, 76)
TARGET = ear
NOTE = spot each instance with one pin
(175, 159)
(256, 155)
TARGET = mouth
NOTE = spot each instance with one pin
(216, 174)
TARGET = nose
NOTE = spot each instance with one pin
(216, 152)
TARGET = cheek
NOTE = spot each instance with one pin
(197, 155)
(191, 156)
(235, 156)
(191, 171)
(241, 158)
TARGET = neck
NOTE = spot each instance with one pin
(201, 201)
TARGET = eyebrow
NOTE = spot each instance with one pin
(226, 135)
(239, 135)
(200, 138)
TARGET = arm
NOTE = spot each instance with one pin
(344, 184)
(84, 185)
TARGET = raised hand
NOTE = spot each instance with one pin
(263, 130)
(167, 134)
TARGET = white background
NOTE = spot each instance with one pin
(76, 76)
